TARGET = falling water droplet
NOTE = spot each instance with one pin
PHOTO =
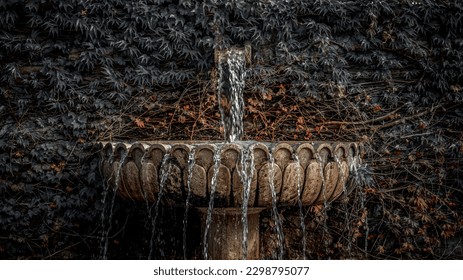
(111, 207)
(301, 212)
(106, 187)
(347, 226)
(246, 174)
(165, 171)
(216, 167)
(191, 163)
(276, 215)
(325, 201)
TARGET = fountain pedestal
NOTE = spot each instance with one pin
(225, 233)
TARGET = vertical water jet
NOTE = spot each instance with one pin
(230, 86)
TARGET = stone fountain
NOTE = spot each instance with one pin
(230, 182)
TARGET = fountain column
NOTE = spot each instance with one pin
(225, 235)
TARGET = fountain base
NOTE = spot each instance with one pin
(225, 234)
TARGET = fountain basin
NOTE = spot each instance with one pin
(312, 172)
(230, 183)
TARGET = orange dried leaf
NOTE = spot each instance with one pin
(267, 96)
(281, 89)
(420, 203)
(18, 154)
(318, 129)
(308, 134)
(139, 123)
(377, 108)
(58, 167)
(381, 249)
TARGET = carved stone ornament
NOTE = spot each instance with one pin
(312, 172)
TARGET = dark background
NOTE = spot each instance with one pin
(385, 73)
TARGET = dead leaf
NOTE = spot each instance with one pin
(267, 96)
(139, 123)
(281, 89)
(377, 108)
(58, 167)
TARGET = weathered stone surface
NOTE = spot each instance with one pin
(313, 183)
(119, 184)
(198, 182)
(149, 180)
(230, 155)
(205, 156)
(135, 169)
(331, 178)
(324, 152)
(330, 174)
(293, 179)
(260, 155)
(180, 153)
(238, 188)
(132, 181)
(174, 185)
(305, 153)
(156, 153)
(225, 235)
(343, 176)
(265, 191)
(223, 187)
(282, 154)
(340, 151)
(108, 173)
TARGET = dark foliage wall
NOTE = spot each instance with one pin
(387, 73)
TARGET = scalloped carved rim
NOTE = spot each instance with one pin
(309, 172)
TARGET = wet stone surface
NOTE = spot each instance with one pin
(318, 170)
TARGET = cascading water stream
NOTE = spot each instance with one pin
(276, 215)
(346, 216)
(103, 216)
(230, 86)
(246, 175)
(301, 212)
(147, 204)
(165, 171)
(325, 200)
(216, 169)
(191, 163)
(364, 211)
(145, 197)
(105, 236)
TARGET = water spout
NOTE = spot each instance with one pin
(230, 86)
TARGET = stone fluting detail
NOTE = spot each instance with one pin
(311, 172)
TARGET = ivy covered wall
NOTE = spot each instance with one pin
(387, 73)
